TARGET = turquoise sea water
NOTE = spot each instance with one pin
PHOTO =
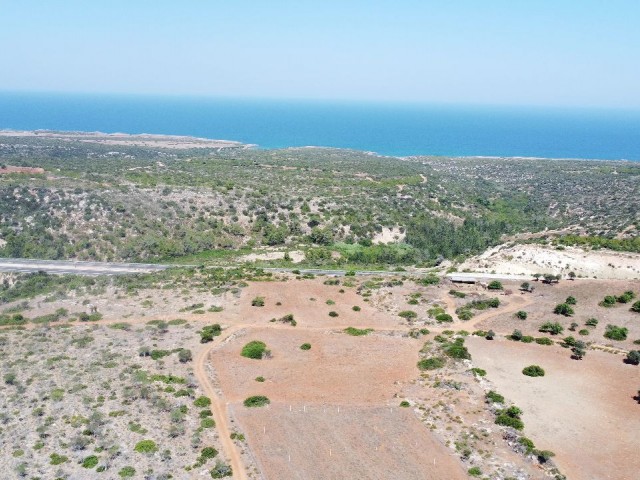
(388, 129)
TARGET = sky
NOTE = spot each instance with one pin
(500, 52)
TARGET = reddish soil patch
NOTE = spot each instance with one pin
(334, 443)
(581, 410)
(306, 300)
(10, 169)
(339, 368)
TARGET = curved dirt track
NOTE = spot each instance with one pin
(218, 409)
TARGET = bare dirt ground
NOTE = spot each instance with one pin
(367, 442)
(583, 410)
(530, 259)
(9, 169)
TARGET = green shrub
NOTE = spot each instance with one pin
(333, 314)
(636, 307)
(408, 314)
(494, 397)
(592, 322)
(305, 346)
(207, 423)
(210, 331)
(614, 332)
(479, 372)
(516, 335)
(527, 339)
(257, 302)
(457, 350)
(431, 363)
(256, 401)
(527, 443)
(510, 417)
(626, 297)
(208, 453)
(495, 285)
(633, 357)
(543, 455)
(608, 301)
(90, 461)
(544, 341)
(57, 459)
(259, 379)
(357, 332)
(563, 309)
(405, 404)
(457, 293)
(571, 300)
(221, 470)
(254, 350)
(158, 354)
(521, 314)
(202, 401)
(146, 446)
(533, 371)
(356, 308)
(429, 279)
(554, 328)
(127, 472)
(474, 471)
(584, 331)
(444, 318)
(464, 314)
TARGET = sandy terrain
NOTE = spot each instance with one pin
(389, 235)
(296, 256)
(142, 140)
(530, 259)
(575, 410)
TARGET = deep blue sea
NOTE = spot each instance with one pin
(388, 129)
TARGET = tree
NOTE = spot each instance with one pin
(572, 275)
(516, 335)
(490, 335)
(614, 332)
(521, 314)
(579, 350)
(552, 328)
(537, 276)
(525, 286)
(495, 285)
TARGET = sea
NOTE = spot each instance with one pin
(392, 129)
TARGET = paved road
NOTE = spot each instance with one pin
(63, 267)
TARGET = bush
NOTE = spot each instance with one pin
(221, 470)
(408, 314)
(127, 472)
(259, 379)
(584, 331)
(495, 285)
(516, 335)
(608, 301)
(444, 318)
(305, 346)
(256, 401)
(357, 332)
(356, 308)
(533, 371)
(254, 350)
(636, 307)
(210, 331)
(333, 314)
(208, 453)
(510, 417)
(474, 471)
(207, 423)
(405, 404)
(571, 300)
(257, 302)
(614, 332)
(527, 443)
(58, 459)
(494, 397)
(146, 446)
(554, 328)
(544, 341)
(633, 357)
(527, 339)
(90, 462)
(464, 314)
(202, 401)
(490, 335)
(626, 297)
(521, 314)
(429, 279)
(432, 363)
(592, 322)
(543, 455)
(457, 350)
(479, 372)
(563, 309)
(185, 355)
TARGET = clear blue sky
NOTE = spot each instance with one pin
(542, 52)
